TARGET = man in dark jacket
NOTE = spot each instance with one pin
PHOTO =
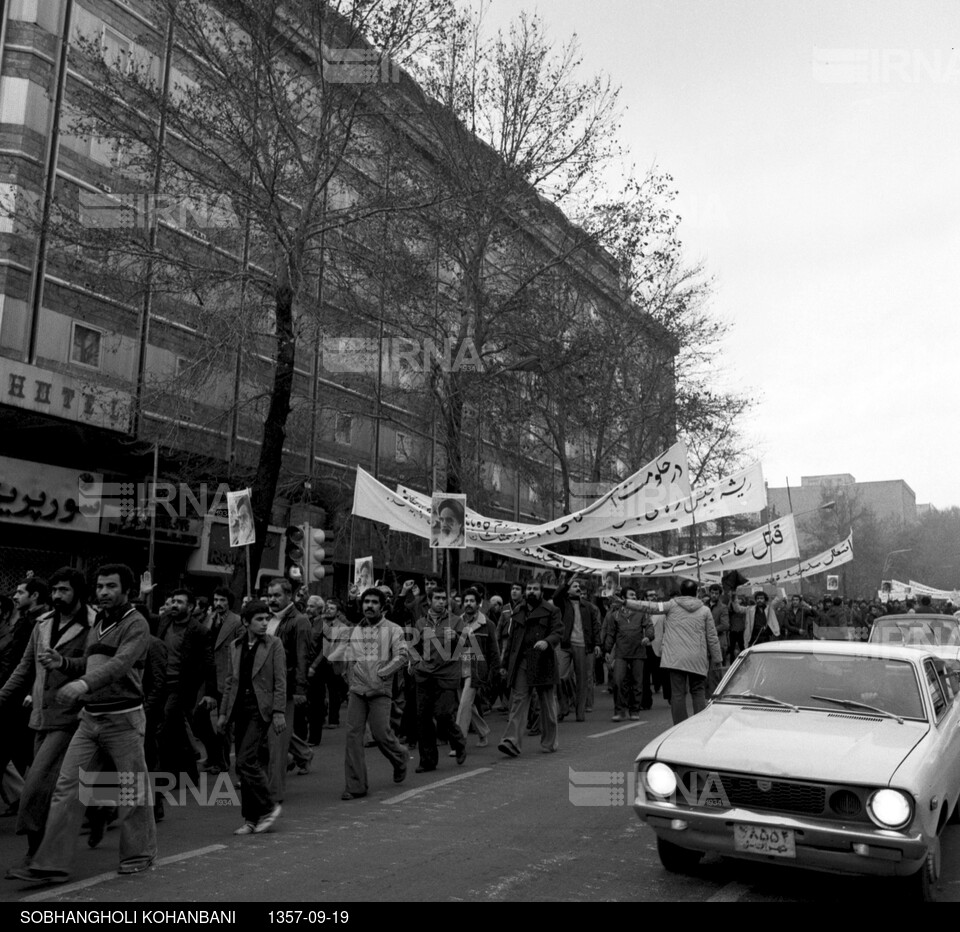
(190, 669)
(628, 632)
(530, 664)
(293, 629)
(32, 600)
(480, 667)
(797, 620)
(721, 621)
(579, 643)
(437, 675)
(254, 699)
(64, 629)
(224, 628)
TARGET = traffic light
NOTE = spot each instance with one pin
(293, 554)
(316, 553)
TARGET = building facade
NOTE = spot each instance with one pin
(106, 383)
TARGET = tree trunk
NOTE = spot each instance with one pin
(275, 426)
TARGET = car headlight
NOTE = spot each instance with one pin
(661, 780)
(890, 808)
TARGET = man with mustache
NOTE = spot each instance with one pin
(579, 645)
(437, 674)
(190, 669)
(53, 724)
(375, 651)
(530, 664)
(107, 680)
(293, 629)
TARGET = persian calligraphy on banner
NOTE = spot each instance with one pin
(767, 544)
(770, 543)
(49, 496)
(663, 482)
(740, 493)
(837, 555)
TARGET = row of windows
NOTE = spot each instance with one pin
(86, 347)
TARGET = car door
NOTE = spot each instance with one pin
(944, 694)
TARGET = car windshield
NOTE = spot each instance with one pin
(925, 633)
(796, 678)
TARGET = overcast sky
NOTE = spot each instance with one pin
(815, 145)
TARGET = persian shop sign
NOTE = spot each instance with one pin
(59, 395)
(45, 496)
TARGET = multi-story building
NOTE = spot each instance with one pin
(101, 383)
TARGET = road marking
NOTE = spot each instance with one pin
(613, 731)
(58, 890)
(729, 894)
(432, 786)
(543, 867)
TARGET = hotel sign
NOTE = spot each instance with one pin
(44, 496)
(66, 396)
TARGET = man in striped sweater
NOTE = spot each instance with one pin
(107, 681)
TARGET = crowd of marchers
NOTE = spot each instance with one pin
(101, 699)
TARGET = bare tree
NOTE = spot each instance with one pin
(239, 114)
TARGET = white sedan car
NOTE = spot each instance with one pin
(836, 756)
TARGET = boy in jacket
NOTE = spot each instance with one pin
(255, 700)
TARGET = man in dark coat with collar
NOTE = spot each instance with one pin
(530, 663)
(223, 628)
(190, 670)
(296, 635)
(579, 644)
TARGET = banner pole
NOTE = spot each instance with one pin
(249, 573)
(799, 560)
(448, 561)
(696, 543)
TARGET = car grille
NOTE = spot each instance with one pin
(789, 796)
(846, 803)
(805, 798)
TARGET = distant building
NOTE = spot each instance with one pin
(889, 500)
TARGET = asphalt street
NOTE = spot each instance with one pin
(493, 829)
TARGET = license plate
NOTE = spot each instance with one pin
(760, 839)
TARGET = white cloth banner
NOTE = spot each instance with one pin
(921, 589)
(740, 493)
(837, 555)
(770, 543)
(662, 483)
(767, 544)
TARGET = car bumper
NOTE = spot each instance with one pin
(820, 846)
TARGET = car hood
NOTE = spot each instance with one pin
(806, 745)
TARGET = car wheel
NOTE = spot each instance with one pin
(926, 881)
(675, 859)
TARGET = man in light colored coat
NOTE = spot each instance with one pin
(690, 644)
(376, 650)
(761, 624)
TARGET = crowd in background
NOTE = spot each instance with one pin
(93, 681)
